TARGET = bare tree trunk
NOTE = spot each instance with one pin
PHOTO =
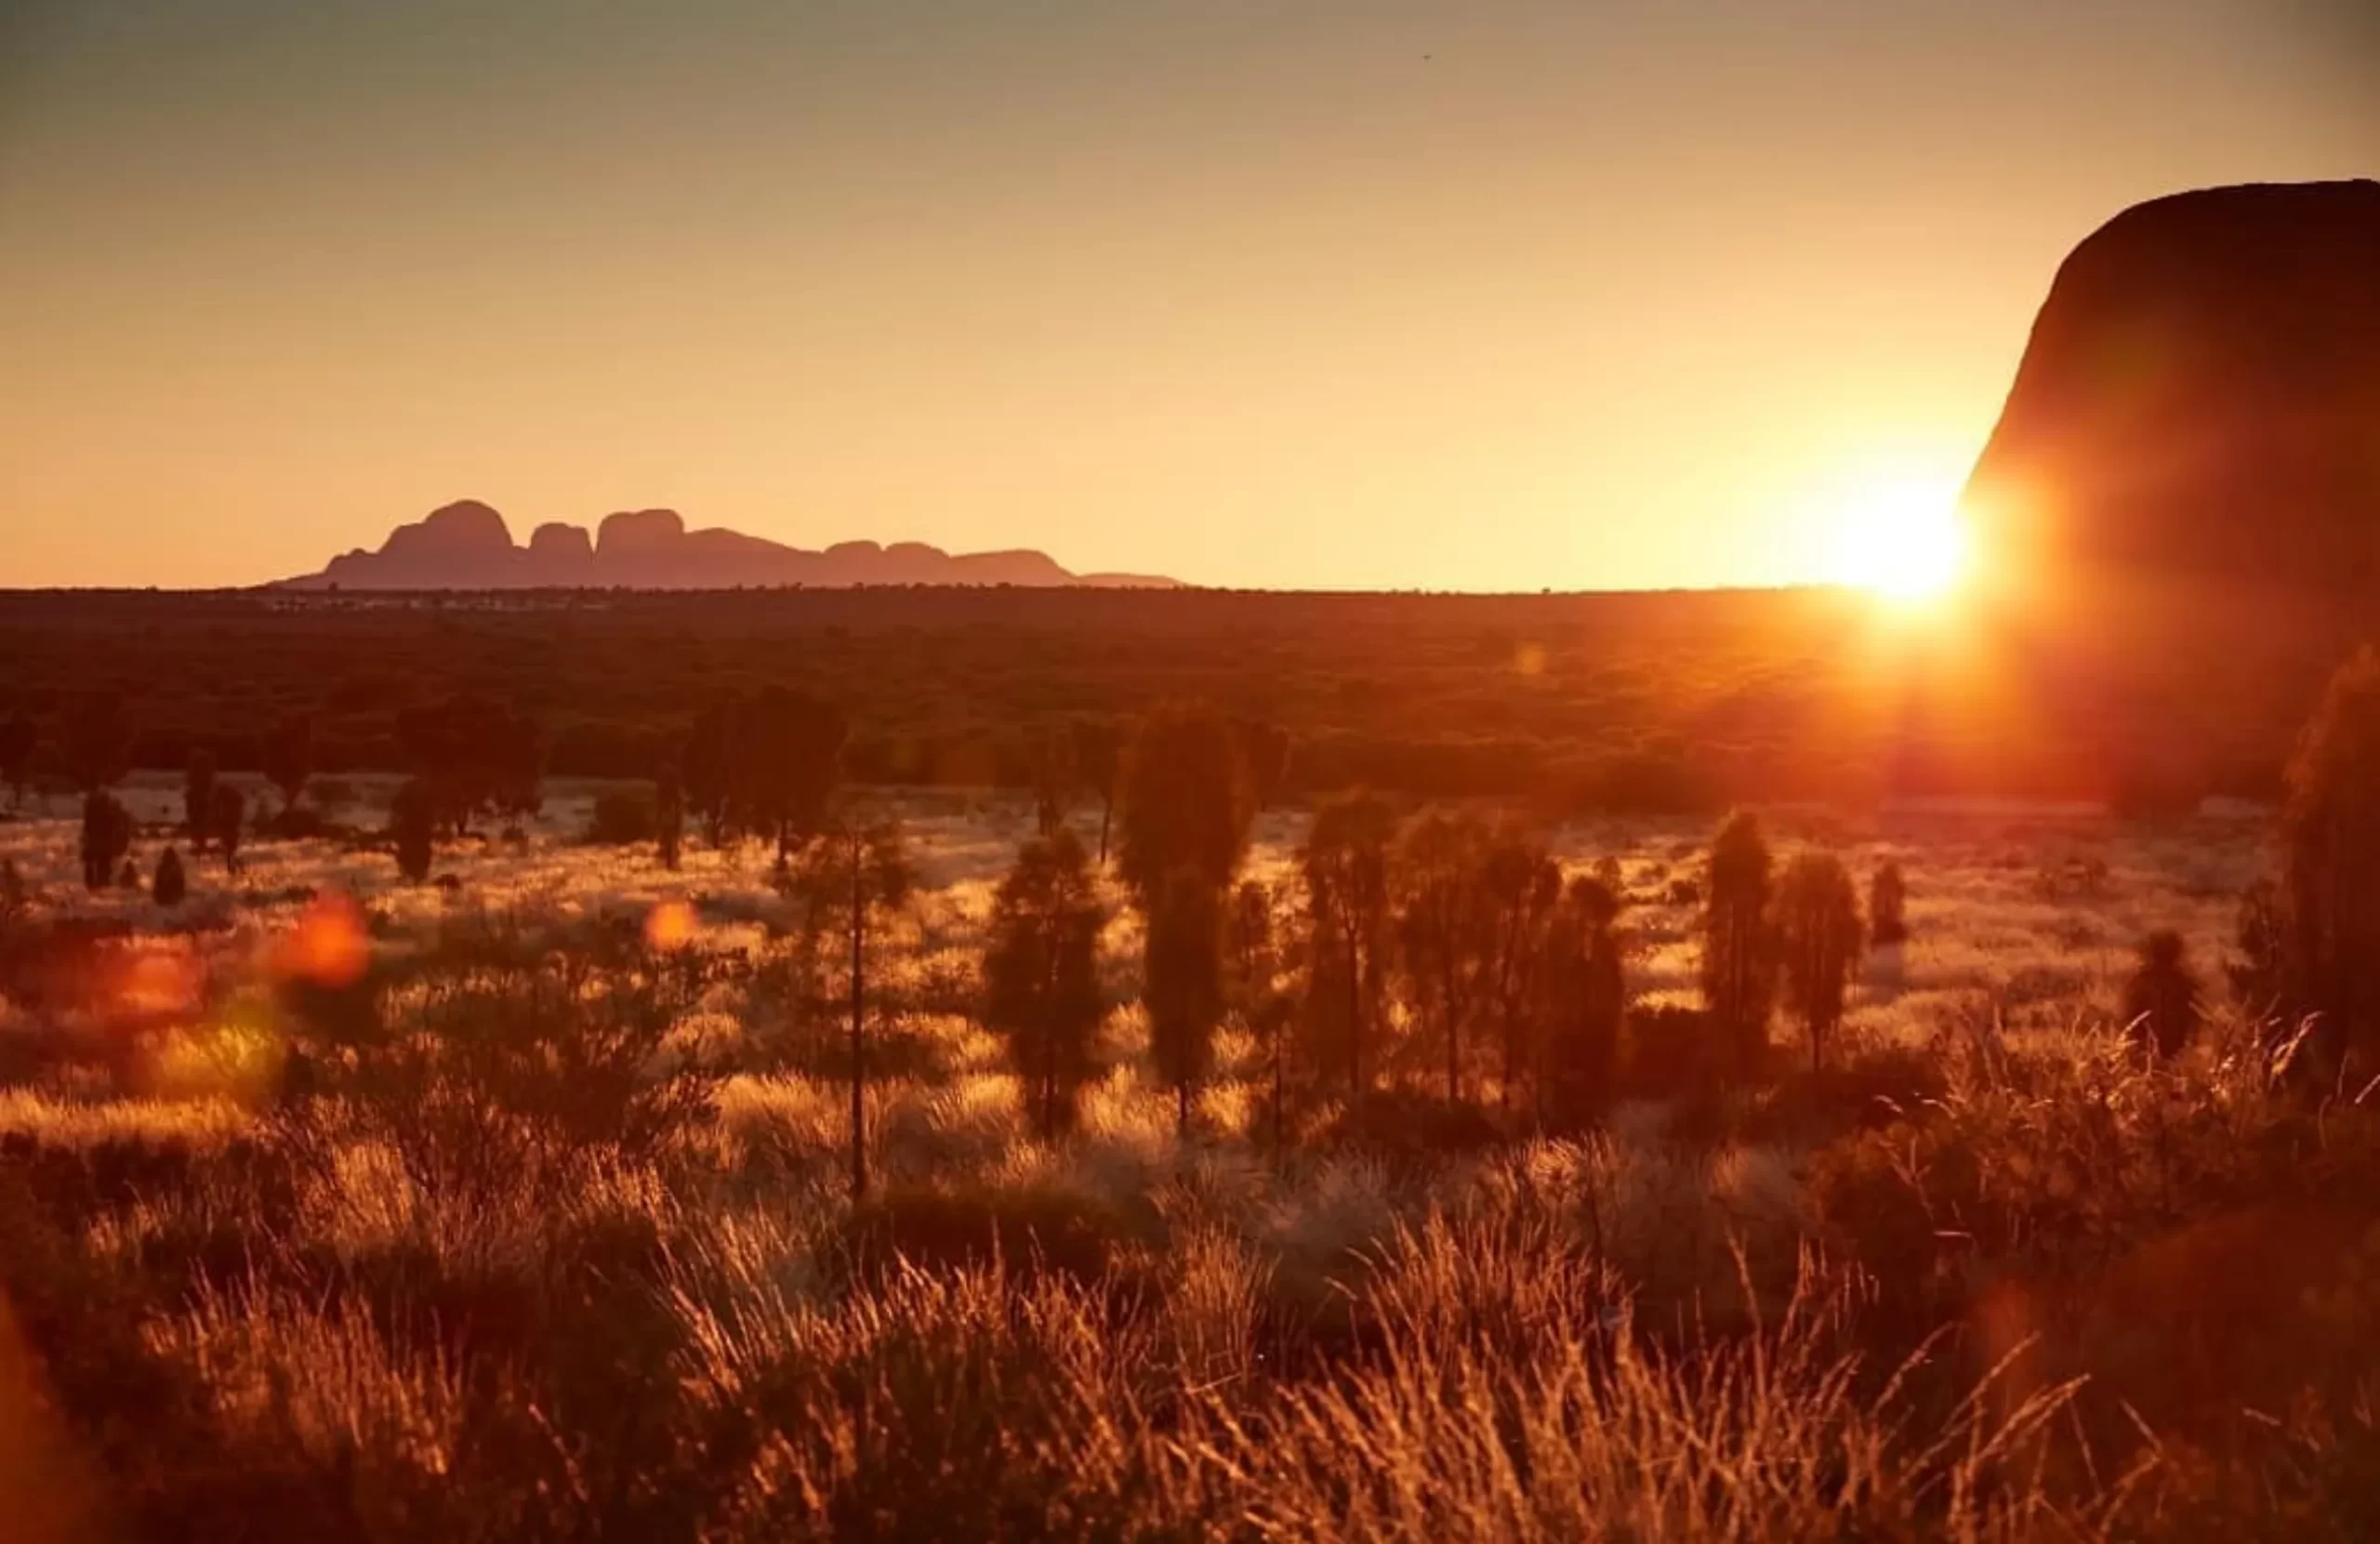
(859, 1041)
(1106, 812)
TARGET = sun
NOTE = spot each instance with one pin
(1897, 531)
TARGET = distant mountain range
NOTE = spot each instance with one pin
(468, 545)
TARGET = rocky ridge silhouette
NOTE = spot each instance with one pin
(468, 545)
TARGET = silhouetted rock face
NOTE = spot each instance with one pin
(2200, 403)
(467, 545)
(443, 548)
(560, 543)
(640, 533)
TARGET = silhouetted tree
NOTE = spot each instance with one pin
(413, 822)
(106, 836)
(1054, 781)
(1887, 906)
(2160, 1000)
(171, 884)
(228, 812)
(1098, 766)
(1586, 1002)
(1185, 824)
(473, 758)
(669, 815)
(848, 877)
(1183, 984)
(18, 740)
(98, 741)
(2330, 842)
(1441, 932)
(1041, 974)
(1346, 869)
(1817, 941)
(289, 760)
(517, 779)
(788, 749)
(1184, 801)
(707, 767)
(1252, 971)
(1521, 889)
(198, 797)
(1264, 752)
(1738, 961)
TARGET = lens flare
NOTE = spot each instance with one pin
(164, 979)
(1894, 527)
(330, 946)
(670, 925)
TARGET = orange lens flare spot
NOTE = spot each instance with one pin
(330, 945)
(166, 979)
(670, 925)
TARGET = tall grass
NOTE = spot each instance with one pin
(539, 1252)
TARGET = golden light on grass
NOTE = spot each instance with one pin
(236, 1057)
(1895, 529)
(670, 925)
(330, 946)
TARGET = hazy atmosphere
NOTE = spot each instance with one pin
(1576, 294)
(919, 770)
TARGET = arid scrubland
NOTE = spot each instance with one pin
(497, 1209)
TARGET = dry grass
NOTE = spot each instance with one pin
(1996, 1300)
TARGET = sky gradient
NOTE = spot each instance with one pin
(1299, 294)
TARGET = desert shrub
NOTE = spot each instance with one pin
(171, 884)
(227, 812)
(1584, 998)
(106, 836)
(1738, 951)
(289, 757)
(1041, 974)
(1818, 936)
(2160, 1000)
(412, 818)
(198, 797)
(499, 1070)
(1887, 905)
(669, 815)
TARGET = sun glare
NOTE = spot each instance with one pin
(1897, 532)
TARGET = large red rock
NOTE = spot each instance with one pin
(2198, 411)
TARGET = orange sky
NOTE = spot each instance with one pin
(1299, 293)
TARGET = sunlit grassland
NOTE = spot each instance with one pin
(1989, 1278)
